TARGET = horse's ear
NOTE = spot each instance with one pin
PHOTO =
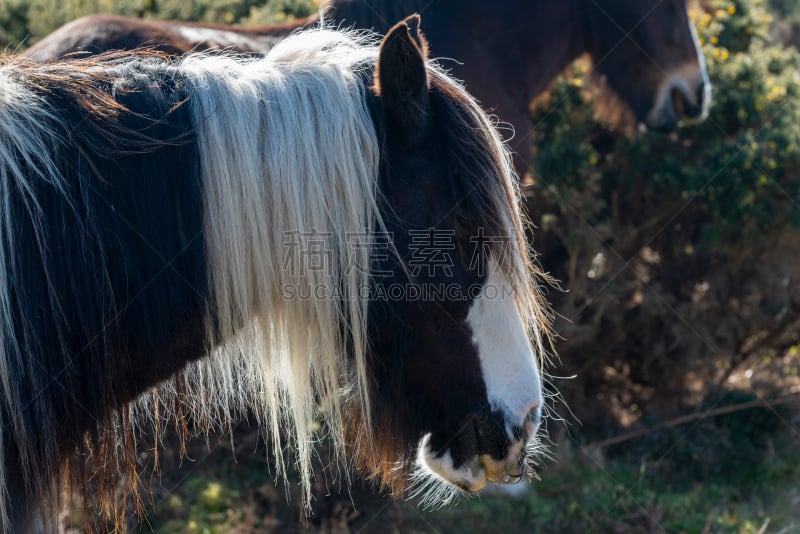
(401, 78)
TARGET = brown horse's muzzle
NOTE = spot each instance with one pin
(683, 98)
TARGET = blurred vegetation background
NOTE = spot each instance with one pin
(680, 255)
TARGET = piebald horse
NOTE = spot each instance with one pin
(328, 234)
(507, 51)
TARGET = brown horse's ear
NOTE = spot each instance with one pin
(401, 78)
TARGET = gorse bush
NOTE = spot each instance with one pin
(740, 167)
(670, 246)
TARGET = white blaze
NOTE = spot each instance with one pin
(701, 61)
(509, 367)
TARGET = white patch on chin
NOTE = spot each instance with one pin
(470, 477)
(509, 367)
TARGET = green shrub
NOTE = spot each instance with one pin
(662, 241)
(741, 165)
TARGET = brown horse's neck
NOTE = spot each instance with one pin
(589, 18)
(546, 37)
(537, 38)
(511, 50)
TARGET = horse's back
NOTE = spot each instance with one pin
(94, 34)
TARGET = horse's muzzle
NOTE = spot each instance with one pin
(684, 98)
(498, 456)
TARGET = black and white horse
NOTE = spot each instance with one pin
(327, 234)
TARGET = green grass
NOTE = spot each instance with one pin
(218, 495)
(731, 473)
(622, 498)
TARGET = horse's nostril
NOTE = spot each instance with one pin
(701, 94)
(688, 106)
(534, 415)
(533, 407)
(532, 421)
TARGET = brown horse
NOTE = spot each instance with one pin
(646, 50)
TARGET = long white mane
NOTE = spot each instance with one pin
(289, 157)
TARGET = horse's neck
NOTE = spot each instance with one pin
(519, 45)
(600, 25)
(548, 36)
(380, 15)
